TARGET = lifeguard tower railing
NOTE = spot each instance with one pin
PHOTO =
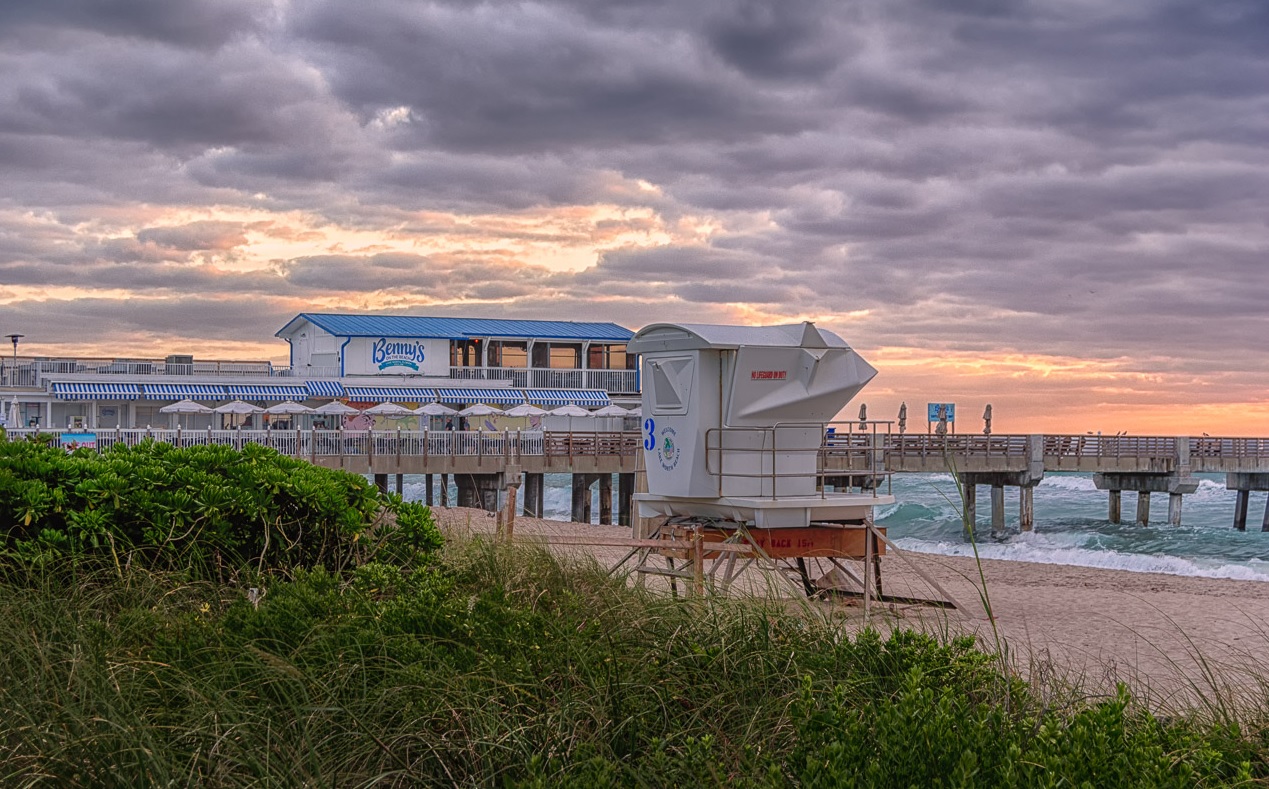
(853, 451)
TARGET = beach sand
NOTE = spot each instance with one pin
(1181, 639)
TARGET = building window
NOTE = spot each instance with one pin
(508, 353)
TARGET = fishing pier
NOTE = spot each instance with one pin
(484, 463)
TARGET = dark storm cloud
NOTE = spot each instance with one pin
(1074, 179)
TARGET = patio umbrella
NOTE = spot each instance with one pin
(287, 408)
(571, 411)
(636, 411)
(389, 409)
(185, 407)
(236, 408)
(611, 410)
(435, 409)
(15, 415)
(525, 410)
(480, 409)
(336, 408)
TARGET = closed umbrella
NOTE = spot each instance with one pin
(15, 415)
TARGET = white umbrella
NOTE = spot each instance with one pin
(480, 409)
(15, 415)
(636, 411)
(435, 409)
(525, 410)
(336, 408)
(185, 407)
(389, 409)
(288, 407)
(611, 410)
(238, 407)
(570, 411)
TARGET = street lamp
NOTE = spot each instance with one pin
(13, 338)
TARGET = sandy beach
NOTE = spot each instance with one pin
(1179, 637)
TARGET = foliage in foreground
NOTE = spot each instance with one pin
(505, 669)
(200, 507)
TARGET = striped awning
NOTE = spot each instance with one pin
(185, 391)
(78, 391)
(389, 394)
(583, 397)
(267, 392)
(497, 396)
(324, 388)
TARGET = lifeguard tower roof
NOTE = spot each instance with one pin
(701, 336)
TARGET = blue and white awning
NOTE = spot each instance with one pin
(390, 394)
(583, 397)
(324, 388)
(78, 391)
(185, 391)
(267, 392)
(496, 396)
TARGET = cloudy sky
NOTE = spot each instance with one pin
(1058, 207)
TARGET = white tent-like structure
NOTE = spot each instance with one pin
(288, 408)
(390, 410)
(435, 409)
(524, 410)
(481, 409)
(185, 407)
(336, 408)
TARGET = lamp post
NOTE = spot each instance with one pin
(13, 338)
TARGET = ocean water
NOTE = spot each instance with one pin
(1071, 525)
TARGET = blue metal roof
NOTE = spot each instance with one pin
(267, 391)
(389, 394)
(459, 328)
(566, 396)
(324, 388)
(499, 396)
(179, 391)
(81, 391)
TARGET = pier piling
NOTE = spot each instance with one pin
(1115, 515)
(1143, 508)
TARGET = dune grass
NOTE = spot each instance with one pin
(506, 667)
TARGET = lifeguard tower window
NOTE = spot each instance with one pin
(671, 384)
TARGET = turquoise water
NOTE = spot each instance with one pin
(1071, 525)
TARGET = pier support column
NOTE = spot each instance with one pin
(971, 510)
(467, 495)
(1143, 508)
(1264, 525)
(533, 495)
(479, 491)
(1115, 497)
(445, 490)
(381, 482)
(605, 499)
(1026, 508)
(428, 500)
(581, 511)
(1174, 509)
(1240, 510)
(997, 511)
(400, 484)
(625, 489)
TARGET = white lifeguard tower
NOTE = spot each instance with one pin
(735, 422)
(735, 418)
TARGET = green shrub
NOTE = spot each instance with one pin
(201, 506)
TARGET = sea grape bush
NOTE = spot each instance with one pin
(200, 506)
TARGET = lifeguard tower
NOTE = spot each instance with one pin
(735, 420)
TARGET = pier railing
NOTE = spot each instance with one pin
(848, 450)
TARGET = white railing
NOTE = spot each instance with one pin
(616, 381)
(312, 444)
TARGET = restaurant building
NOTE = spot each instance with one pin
(360, 359)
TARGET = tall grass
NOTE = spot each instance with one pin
(505, 667)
